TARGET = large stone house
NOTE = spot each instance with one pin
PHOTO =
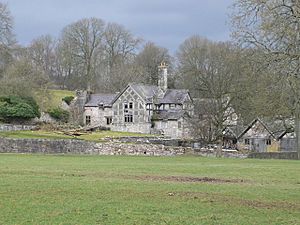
(142, 108)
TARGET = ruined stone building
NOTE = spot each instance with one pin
(141, 108)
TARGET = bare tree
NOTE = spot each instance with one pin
(273, 26)
(148, 60)
(82, 42)
(119, 44)
(42, 53)
(7, 39)
(23, 79)
(6, 25)
(208, 70)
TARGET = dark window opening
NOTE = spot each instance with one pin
(268, 141)
(128, 118)
(247, 141)
(172, 106)
(88, 120)
(130, 105)
(101, 105)
(108, 120)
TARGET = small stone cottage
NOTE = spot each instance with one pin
(142, 108)
(257, 137)
(263, 136)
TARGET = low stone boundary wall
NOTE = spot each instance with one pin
(157, 140)
(209, 153)
(146, 140)
(8, 145)
(274, 155)
(65, 146)
(12, 127)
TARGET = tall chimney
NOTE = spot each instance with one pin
(163, 76)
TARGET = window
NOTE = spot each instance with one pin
(101, 105)
(128, 112)
(88, 120)
(247, 141)
(268, 142)
(128, 118)
(128, 105)
(108, 120)
(163, 125)
(179, 124)
(172, 106)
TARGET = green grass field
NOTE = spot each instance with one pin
(68, 189)
(57, 96)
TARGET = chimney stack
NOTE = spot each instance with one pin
(163, 76)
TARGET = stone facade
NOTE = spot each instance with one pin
(174, 128)
(142, 108)
(130, 113)
(98, 116)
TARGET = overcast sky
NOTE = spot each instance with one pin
(165, 22)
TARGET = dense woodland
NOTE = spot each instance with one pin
(256, 73)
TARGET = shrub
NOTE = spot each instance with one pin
(59, 114)
(68, 99)
(18, 108)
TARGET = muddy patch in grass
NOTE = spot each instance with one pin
(214, 198)
(188, 179)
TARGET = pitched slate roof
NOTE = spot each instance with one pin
(229, 132)
(171, 96)
(147, 92)
(279, 127)
(170, 115)
(175, 96)
(251, 125)
(98, 99)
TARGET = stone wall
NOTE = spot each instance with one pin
(274, 155)
(8, 145)
(158, 140)
(65, 146)
(12, 127)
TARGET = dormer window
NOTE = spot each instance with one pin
(101, 105)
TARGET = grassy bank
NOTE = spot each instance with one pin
(92, 136)
(47, 189)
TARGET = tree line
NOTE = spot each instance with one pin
(256, 73)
